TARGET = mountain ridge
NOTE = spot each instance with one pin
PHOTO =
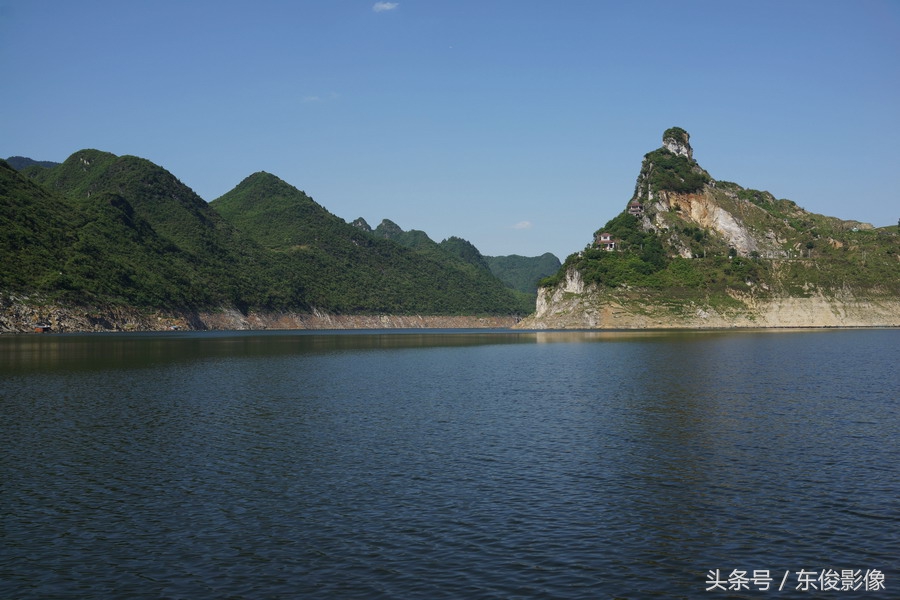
(520, 273)
(110, 233)
(23, 162)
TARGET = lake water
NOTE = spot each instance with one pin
(450, 464)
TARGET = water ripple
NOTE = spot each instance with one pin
(592, 467)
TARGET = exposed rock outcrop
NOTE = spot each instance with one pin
(677, 141)
(703, 209)
(596, 308)
(21, 315)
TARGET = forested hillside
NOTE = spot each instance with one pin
(101, 228)
(351, 269)
(523, 272)
(520, 273)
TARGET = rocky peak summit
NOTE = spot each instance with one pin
(677, 141)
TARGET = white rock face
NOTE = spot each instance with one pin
(678, 147)
(547, 298)
(574, 284)
(708, 214)
(603, 309)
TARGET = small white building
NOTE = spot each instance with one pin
(605, 240)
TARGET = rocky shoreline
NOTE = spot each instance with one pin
(17, 315)
(556, 309)
(574, 305)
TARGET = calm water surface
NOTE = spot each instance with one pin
(447, 464)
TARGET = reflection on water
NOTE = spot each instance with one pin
(113, 350)
(444, 464)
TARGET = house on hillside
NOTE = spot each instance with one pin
(636, 208)
(605, 240)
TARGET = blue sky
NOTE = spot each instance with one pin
(519, 125)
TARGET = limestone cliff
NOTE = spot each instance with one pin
(690, 251)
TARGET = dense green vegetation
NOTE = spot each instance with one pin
(523, 272)
(414, 238)
(349, 268)
(20, 162)
(34, 231)
(674, 173)
(676, 133)
(466, 252)
(97, 246)
(106, 229)
(647, 259)
(516, 272)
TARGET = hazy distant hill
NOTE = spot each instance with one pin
(523, 272)
(21, 162)
(520, 273)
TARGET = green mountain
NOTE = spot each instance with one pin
(520, 273)
(690, 251)
(22, 162)
(456, 248)
(35, 231)
(465, 251)
(175, 249)
(86, 250)
(106, 230)
(348, 267)
(157, 196)
(414, 238)
(523, 272)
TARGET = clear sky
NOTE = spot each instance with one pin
(518, 125)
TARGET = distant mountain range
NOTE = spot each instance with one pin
(105, 230)
(518, 272)
(20, 162)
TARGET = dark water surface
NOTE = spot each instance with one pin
(449, 464)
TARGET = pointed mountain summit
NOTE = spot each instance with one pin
(174, 210)
(274, 213)
(414, 238)
(93, 246)
(678, 141)
(361, 223)
(690, 251)
(346, 268)
(465, 251)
